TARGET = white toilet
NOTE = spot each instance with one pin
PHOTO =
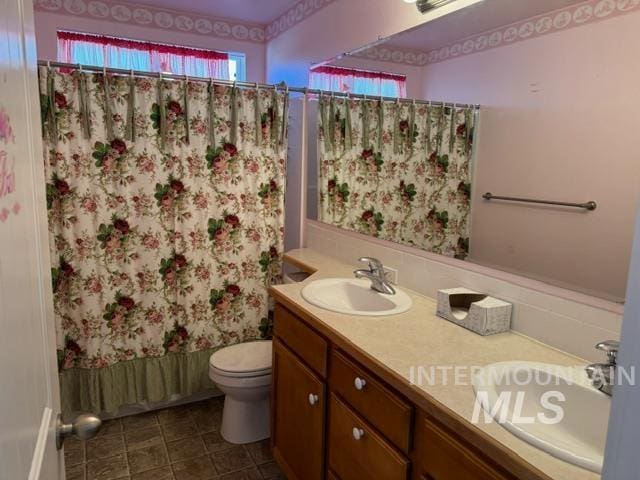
(243, 373)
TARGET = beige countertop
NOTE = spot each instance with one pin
(418, 338)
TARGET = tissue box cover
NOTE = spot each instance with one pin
(479, 313)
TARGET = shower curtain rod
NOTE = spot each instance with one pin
(313, 91)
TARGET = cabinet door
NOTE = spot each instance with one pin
(298, 409)
(438, 455)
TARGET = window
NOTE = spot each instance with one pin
(349, 80)
(104, 51)
(237, 67)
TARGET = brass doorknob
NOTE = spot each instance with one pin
(84, 427)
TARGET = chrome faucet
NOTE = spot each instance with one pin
(603, 375)
(377, 276)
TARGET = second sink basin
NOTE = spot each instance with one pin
(578, 436)
(354, 297)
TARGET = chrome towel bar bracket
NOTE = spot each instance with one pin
(591, 205)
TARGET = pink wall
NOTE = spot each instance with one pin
(340, 27)
(48, 23)
(559, 121)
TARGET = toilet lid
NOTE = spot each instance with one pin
(245, 357)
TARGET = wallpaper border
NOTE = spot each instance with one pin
(183, 21)
(146, 16)
(574, 16)
(295, 15)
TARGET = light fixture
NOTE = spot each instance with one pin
(425, 5)
(433, 9)
(409, 1)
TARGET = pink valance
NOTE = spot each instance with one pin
(352, 80)
(358, 73)
(143, 46)
(126, 54)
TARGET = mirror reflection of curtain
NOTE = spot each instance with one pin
(397, 171)
(349, 80)
(112, 52)
(165, 233)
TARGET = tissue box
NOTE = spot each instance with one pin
(477, 312)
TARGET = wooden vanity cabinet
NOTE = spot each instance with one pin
(333, 417)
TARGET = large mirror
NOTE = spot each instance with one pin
(557, 100)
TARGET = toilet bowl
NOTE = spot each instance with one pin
(243, 373)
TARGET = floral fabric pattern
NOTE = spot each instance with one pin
(397, 171)
(165, 241)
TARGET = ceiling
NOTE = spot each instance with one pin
(252, 11)
(478, 18)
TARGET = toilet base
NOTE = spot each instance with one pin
(245, 421)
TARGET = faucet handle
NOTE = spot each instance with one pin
(374, 264)
(610, 348)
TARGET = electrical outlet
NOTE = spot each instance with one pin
(391, 274)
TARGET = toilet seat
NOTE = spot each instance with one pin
(249, 359)
(225, 373)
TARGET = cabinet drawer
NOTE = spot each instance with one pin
(438, 455)
(306, 343)
(369, 457)
(380, 406)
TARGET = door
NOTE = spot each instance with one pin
(29, 402)
(621, 459)
(298, 416)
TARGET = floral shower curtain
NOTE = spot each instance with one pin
(397, 171)
(166, 214)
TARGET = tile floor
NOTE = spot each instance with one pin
(180, 443)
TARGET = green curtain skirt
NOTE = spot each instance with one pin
(105, 390)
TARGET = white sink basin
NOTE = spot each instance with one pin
(577, 436)
(354, 297)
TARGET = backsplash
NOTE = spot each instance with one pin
(562, 322)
